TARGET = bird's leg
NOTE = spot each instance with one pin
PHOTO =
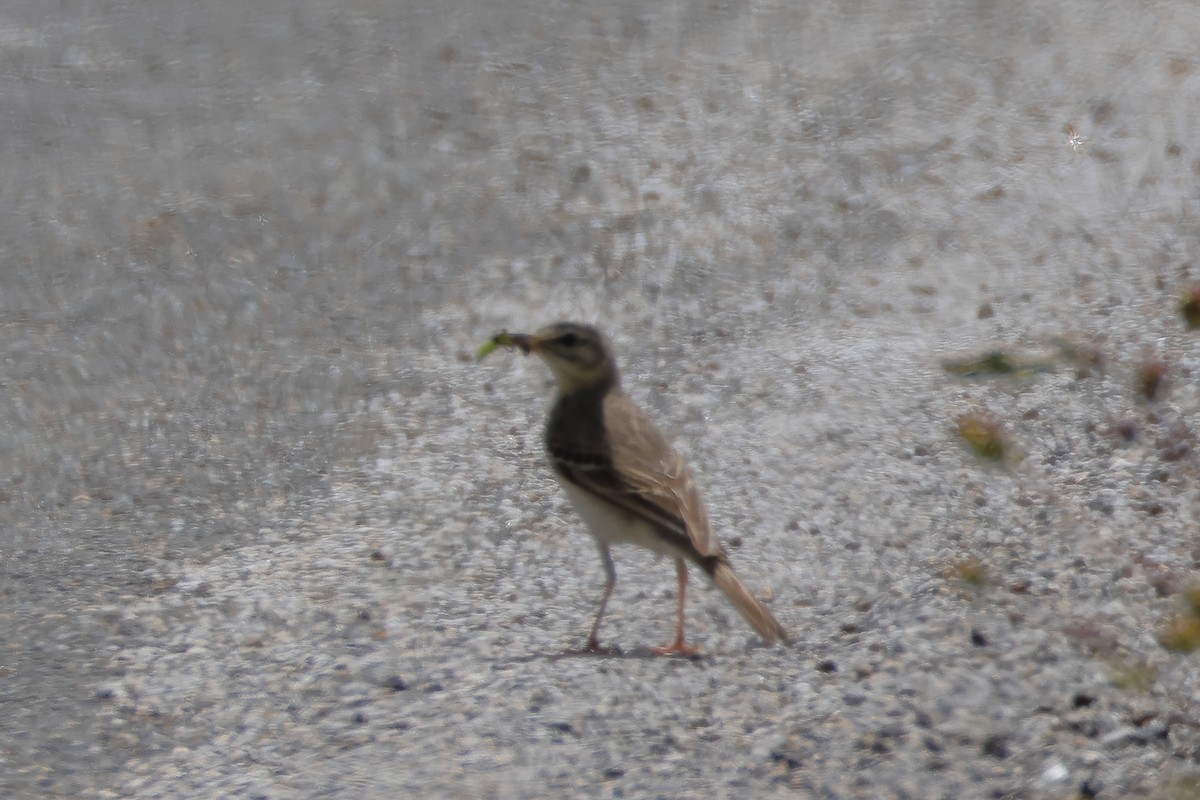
(610, 580)
(680, 645)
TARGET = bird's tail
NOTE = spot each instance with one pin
(755, 612)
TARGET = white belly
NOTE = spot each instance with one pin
(610, 525)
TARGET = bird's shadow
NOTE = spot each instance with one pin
(618, 654)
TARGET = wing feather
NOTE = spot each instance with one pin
(638, 471)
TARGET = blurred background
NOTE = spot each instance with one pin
(247, 249)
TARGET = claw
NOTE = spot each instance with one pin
(677, 649)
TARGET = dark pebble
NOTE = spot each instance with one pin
(996, 746)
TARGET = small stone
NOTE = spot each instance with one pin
(1055, 773)
(395, 683)
(996, 746)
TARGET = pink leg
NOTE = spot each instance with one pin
(610, 580)
(680, 645)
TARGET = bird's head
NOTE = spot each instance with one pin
(578, 355)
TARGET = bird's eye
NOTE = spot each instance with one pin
(569, 339)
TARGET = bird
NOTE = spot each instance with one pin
(624, 478)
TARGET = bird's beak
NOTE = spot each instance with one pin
(522, 341)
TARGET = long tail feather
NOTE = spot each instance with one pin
(755, 612)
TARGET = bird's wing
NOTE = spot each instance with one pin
(642, 474)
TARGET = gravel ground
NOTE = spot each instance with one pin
(269, 532)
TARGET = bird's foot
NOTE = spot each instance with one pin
(593, 647)
(677, 648)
